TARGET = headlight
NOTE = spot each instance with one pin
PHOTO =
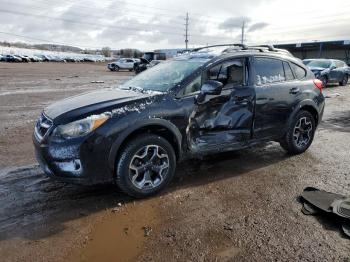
(81, 127)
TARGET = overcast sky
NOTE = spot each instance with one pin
(151, 24)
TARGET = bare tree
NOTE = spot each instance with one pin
(106, 51)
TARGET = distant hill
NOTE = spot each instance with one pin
(61, 48)
(50, 47)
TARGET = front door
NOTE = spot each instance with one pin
(223, 122)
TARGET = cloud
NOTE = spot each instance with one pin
(154, 24)
(257, 26)
(234, 23)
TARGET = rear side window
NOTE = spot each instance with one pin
(268, 70)
(288, 71)
(299, 72)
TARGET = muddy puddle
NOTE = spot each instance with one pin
(121, 234)
(98, 222)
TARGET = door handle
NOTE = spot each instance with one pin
(294, 90)
(242, 99)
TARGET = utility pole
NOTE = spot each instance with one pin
(186, 30)
(242, 39)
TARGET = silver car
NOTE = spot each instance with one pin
(123, 63)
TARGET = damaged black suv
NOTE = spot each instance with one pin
(210, 100)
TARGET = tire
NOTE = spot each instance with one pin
(300, 133)
(147, 176)
(344, 82)
(116, 68)
(324, 80)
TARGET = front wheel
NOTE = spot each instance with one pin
(146, 165)
(300, 133)
(344, 81)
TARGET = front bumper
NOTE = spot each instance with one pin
(111, 66)
(75, 162)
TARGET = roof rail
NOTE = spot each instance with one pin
(243, 46)
(269, 47)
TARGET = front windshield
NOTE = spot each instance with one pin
(319, 63)
(164, 76)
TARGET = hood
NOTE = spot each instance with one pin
(87, 103)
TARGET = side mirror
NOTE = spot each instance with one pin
(333, 67)
(211, 87)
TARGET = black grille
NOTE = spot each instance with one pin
(42, 126)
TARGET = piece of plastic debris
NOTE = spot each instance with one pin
(320, 202)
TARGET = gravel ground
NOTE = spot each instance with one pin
(240, 206)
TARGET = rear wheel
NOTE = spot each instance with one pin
(300, 133)
(146, 165)
(344, 81)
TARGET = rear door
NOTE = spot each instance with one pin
(222, 122)
(129, 64)
(276, 90)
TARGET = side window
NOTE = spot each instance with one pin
(230, 73)
(129, 61)
(299, 72)
(192, 87)
(288, 71)
(268, 70)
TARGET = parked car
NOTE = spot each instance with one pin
(12, 58)
(123, 63)
(25, 58)
(194, 105)
(2, 58)
(330, 71)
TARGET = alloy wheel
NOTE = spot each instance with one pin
(148, 167)
(302, 134)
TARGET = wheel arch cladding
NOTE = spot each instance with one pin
(159, 127)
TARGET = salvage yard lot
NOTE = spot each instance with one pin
(239, 206)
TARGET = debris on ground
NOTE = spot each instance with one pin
(147, 230)
(320, 202)
(97, 82)
(332, 95)
(126, 230)
(116, 209)
(228, 226)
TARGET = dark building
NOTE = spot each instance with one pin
(327, 49)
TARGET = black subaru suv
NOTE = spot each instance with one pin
(210, 100)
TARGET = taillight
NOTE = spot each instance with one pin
(319, 84)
